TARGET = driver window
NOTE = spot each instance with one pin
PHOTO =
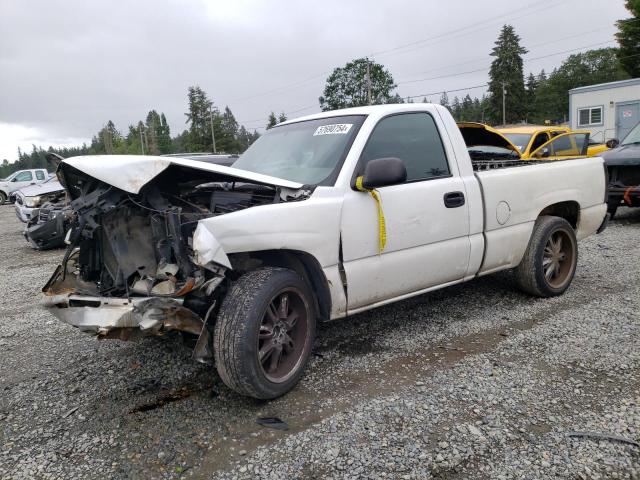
(540, 140)
(414, 139)
(23, 177)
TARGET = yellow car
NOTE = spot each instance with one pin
(529, 138)
(596, 149)
(485, 142)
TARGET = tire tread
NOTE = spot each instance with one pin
(231, 351)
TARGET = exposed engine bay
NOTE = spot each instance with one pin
(137, 249)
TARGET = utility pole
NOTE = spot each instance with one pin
(213, 136)
(368, 79)
(141, 141)
(504, 103)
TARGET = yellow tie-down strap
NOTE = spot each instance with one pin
(382, 229)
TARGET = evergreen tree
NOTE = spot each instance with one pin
(244, 139)
(348, 86)
(152, 129)
(530, 95)
(272, 121)
(180, 143)
(282, 117)
(108, 139)
(507, 72)
(199, 119)
(444, 100)
(455, 108)
(628, 37)
(227, 139)
(466, 109)
(164, 136)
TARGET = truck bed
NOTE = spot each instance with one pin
(514, 197)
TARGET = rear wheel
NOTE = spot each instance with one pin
(264, 332)
(549, 264)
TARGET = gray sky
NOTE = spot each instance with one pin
(66, 67)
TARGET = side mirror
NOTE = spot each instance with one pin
(384, 171)
(613, 143)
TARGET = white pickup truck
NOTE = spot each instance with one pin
(21, 179)
(323, 217)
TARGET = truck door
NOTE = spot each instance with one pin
(427, 217)
(567, 145)
(21, 180)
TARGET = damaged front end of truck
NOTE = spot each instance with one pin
(137, 264)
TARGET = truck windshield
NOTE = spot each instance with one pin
(633, 136)
(308, 152)
(520, 140)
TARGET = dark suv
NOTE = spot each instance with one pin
(623, 165)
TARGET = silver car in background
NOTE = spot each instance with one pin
(29, 199)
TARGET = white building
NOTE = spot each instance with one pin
(607, 110)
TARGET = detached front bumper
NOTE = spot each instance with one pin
(47, 235)
(25, 213)
(129, 319)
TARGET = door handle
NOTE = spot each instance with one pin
(453, 199)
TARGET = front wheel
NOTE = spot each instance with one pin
(549, 264)
(265, 332)
(3, 198)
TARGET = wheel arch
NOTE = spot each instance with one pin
(305, 264)
(569, 210)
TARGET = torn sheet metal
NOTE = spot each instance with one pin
(207, 248)
(127, 319)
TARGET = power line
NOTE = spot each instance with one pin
(465, 31)
(447, 91)
(487, 68)
(476, 60)
(454, 90)
(479, 86)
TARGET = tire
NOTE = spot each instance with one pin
(548, 267)
(3, 198)
(254, 320)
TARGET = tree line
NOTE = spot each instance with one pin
(153, 136)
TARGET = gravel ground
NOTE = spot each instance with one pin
(475, 381)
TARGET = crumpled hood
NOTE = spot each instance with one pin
(132, 172)
(476, 134)
(41, 189)
(622, 155)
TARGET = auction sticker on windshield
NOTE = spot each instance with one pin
(334, 129)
